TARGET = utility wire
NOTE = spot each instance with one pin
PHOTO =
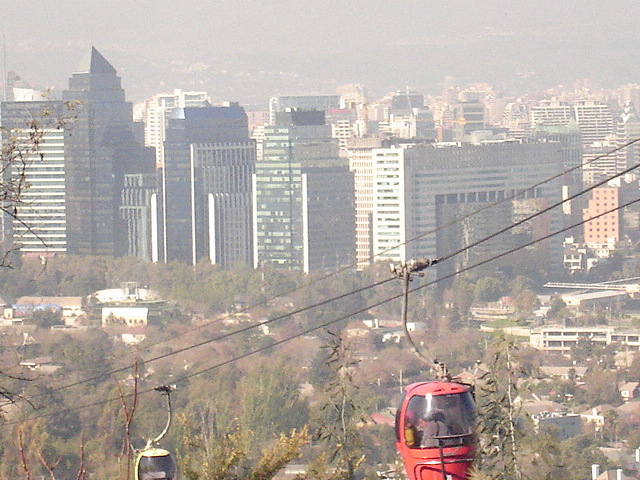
(458, 252)
(331, 322)
(417, 237)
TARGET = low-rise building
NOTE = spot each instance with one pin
(131, 317)
(562, 424)
(562, 339)
(629, 391)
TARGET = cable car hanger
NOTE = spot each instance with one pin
(153, 463)
(435, 425)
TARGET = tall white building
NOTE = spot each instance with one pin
(628, 129)
(595, 121)
(156, 116)
(39, 225)
(389, 214)
(426, 199)
(360, 154)
(551, 113)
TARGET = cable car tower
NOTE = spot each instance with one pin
(152, 462)
(435, 425)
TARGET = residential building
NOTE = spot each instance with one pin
(562, 425)
(554, 338)
(627, 130)
(600, 161)
(595, 121)
(551, 113)
(604, 228)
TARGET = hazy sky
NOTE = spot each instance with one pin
(249, 50)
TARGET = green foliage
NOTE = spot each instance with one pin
(488, 289)
(211, 455)
(339, 416)
(499, 414)
(270, 399)
(47, 318)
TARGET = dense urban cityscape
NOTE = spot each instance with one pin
(234, 259)
(319, 182)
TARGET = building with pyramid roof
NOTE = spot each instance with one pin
(101, 152)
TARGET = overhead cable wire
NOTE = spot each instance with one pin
(309, 307)
(412, 239)
(331, 322)
(219, 337)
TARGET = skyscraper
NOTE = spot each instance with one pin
(39, 224)
(282, 103)
(156, 116)
(595, 121)
(100, 149)
(360, 154)
(206, 186)
(304, 217)
(420, 189)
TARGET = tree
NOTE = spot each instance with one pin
(339, 417)
(500, 438)
(47, 318)
(488, 289)
(212, 455)
(270, 400)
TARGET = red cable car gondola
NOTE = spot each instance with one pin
(435, 431)
(435, 426)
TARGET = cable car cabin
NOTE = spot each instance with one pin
(435, 431)
(155, 464)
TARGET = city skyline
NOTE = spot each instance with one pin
(314, 198)
(252, 51)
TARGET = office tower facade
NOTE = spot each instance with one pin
(419, 190)
(570, 139)
(156, 116)
(206, 187)
(138, 212)
(469, 117)
(303, 197)
(100, 149)
(39, 225)
(222, 226)
(360, 155)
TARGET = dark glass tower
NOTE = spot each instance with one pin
(100, 149)
(206, 195)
